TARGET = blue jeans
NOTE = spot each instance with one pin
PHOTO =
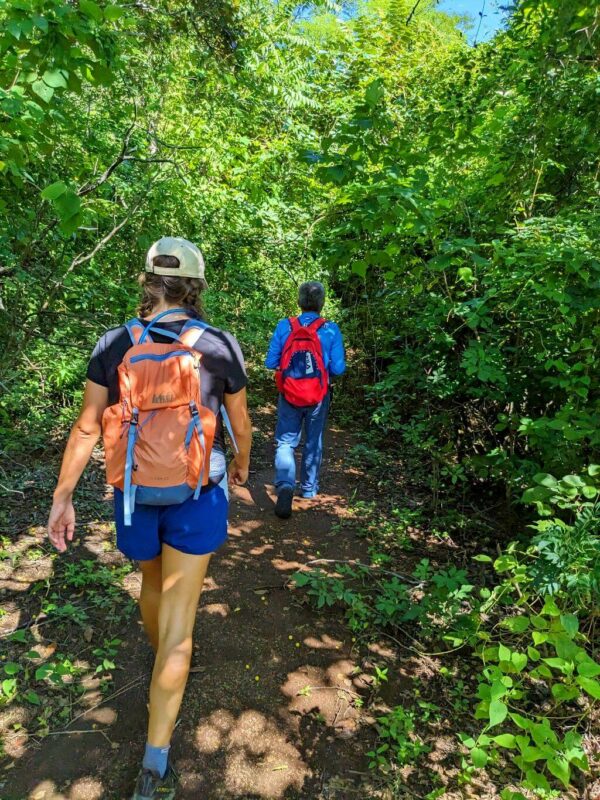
(290, 420)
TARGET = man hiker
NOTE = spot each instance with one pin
(306, 352)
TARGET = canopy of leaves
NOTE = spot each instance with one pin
(447, 194)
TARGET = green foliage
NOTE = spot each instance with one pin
(435, 600)
(400, 744)
(540, 650)
(530, 632)
(461, 229)
(447, 195)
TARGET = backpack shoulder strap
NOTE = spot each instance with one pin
(228, 426)
(192, 331)
(135, 329)
(295, 324)
(317, 324)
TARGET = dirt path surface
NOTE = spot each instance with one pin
(272, 713)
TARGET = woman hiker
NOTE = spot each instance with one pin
(161, 389)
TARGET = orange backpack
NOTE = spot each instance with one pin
(158, 437)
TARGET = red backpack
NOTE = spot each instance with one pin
(302, 378)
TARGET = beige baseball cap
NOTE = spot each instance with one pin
(191, 262)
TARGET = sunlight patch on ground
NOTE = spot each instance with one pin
(215, 609)
(282, 565)
(245, 527)
(324, 643)
(82, 789)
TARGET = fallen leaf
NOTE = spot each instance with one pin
(88, 633)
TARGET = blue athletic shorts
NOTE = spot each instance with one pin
(194, 526)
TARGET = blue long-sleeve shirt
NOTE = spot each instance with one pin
(330, 335)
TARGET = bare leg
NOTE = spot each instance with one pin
(182, 580)
(149, 601)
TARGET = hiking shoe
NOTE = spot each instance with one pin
(150, 786)
(283, 507)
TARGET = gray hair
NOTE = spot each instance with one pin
(311, 296)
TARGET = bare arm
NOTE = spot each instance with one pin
(82, 440)
(236, 406)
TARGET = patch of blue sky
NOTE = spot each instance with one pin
(480, 19)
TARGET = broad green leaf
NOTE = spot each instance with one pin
(67, 204)
(497, 690)
(516, 624)
(8, 686)
(563, 693)
(11, 668)
(18, 636)
(557, 663)
(545, 479)
(43, 671)
(41, 23)
(42, 90)
(505, 740)
(539, 622)
(374, 92)
(573, 480)
(69, 226)
(550, 608)
(537, 780)
(532, 754)
(588, 669)
(560, 768)
(570, 623)
(91, 9)
(479, 757)
(14, 28)
(360, 268)
(497, 713)
(54, 78)
(113, 12)
(591, 686)
(521, 721)
(503, 653)
(54, 190)
(519, 661)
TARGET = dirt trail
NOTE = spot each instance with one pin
(249, 728)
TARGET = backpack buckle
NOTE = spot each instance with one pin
(134, 417)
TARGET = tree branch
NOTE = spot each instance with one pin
(412, 13)
(123, 155)
(81, 259)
